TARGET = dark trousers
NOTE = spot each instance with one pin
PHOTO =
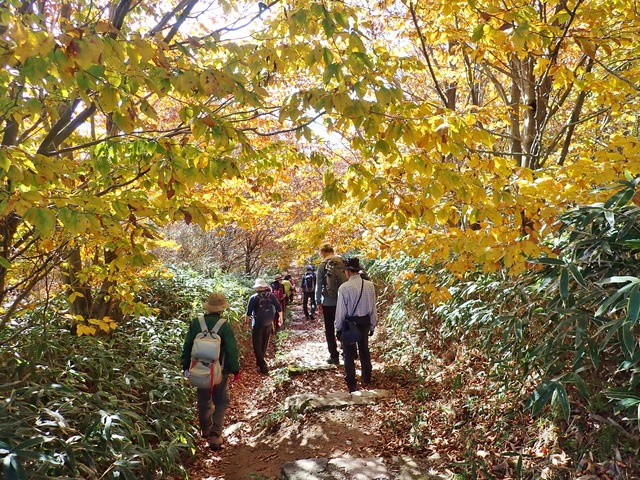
(329, 314)
(212, 407)
(309, 296)
(350, 352)
(260, 338)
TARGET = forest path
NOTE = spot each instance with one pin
(450, 419)
(260, 438)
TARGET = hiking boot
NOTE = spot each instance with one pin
(333, 361)
(263, 369)
(215, 442)
(205, 433)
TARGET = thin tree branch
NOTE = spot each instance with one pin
(73, 125)
(573, 120)
(618, 76)
(180, 20)
(62, 122)
(425, 52)
(140, 174)
(277, 132)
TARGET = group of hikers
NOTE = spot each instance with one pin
(337, 289)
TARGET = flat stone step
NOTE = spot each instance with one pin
(345, 468)
(302, 368)
(307, 402)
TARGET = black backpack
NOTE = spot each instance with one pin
(309, 282)
(266, 310)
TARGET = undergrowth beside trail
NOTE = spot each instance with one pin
(104, 406)
(534, 376)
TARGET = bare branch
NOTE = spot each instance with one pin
(425, 52)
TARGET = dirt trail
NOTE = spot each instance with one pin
(259, 438)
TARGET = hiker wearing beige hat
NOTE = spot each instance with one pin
(262, 308)
(213, 403)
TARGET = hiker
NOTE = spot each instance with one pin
(356, 310)
(213, 402)
(289, 288)
(261, 310)
(329, 277)
(277, 287)
(308, 287)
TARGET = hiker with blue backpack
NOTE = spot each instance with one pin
(308, 287)
(209, 361)
(262, 308)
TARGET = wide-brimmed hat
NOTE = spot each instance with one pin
(216, 302)
(278, 277)
(260, 284)
(352, 264)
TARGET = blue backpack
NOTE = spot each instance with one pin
(309, 282)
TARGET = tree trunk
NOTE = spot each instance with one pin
(81, 303)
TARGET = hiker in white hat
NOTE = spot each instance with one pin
(263, 307)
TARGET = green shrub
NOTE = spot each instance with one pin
(93, 406)
(572, 325)
(178, 292)
(106, 406)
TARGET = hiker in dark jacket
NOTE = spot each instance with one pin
(308, 286)
(212, 405)
(261, 309)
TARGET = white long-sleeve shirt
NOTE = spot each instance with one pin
(348, 294)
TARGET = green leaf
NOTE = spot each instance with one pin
(478, 33)
(577, 275)
(614, 326)
(12, 468)
(5, 162)
(560, 399)
(43, 219)
(4, 263)
(341, 19)
(331, 71)
(619, 279)
(564, 283)
(634, 305)
(541, 397)
(108, 99)
(549, 261)
(618, 200)
(68, 218)
(329, 27)
(610, 218)
(30, 443)
(628, 339)
(581, 386)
